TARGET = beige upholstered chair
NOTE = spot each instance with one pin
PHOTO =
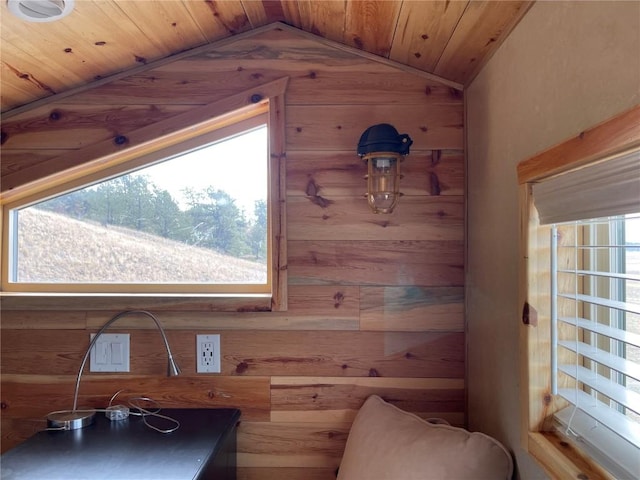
(386, 443)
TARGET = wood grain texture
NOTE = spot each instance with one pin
(309, 127)
(412, 308)
(367, 262)
(425, 29)
(361, 27)
(27, 399)
(374, 303)
(616, 135)
(335, 82)
(290, 473)
(313, 445)
(433, 173)
(252, 353)
(106, 37)
(316, 399)
(347, 218)
(482, 25)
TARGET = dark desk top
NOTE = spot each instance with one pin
(123, 450)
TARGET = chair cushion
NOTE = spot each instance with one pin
(386, 443)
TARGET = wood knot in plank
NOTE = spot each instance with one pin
(3, 137)
(210, 394)
(312, 75)
(321, 201)
(255, 98)
(3, 405)
(455, 93)
(55, 115)
(242, 367)
(417, 54)
(434, 184)
(427, 90)
(436, 155)
(424, 36)
(424, 128)
(120, 140)
(68, 50)
(529, 315)
(312, 188)
(547, 399)
(338, 299)
(100, 44)
(373, 372)
(140, 59)
(312, 191)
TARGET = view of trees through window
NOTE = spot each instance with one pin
(165, 223)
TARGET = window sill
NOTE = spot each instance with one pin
(562, 459)
(159, 302)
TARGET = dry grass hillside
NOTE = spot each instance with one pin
(54, 247)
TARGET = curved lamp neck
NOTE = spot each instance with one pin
(172, 368)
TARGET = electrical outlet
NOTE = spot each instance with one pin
(208, 353)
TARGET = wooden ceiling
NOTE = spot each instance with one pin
(451, 39)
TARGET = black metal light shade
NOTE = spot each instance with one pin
(382, 147)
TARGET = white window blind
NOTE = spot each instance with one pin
(594, 216)
(596, 334)
(610, 187)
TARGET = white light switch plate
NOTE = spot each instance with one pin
(110, 353)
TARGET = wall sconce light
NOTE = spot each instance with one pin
(80, 418)
(382, 147)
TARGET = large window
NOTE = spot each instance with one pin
(581, 304)
(194, 221)
(195, 212)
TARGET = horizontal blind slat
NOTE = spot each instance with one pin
(629, 338)
(614, 391)
(607, 359)
(621, 276)
(604, 302)
(630, 431)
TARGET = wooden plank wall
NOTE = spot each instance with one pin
(375, 302)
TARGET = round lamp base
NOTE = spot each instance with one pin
(70, 419)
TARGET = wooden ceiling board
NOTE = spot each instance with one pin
(365, 30)
(256, 13)
(168, 25)
(424, 29)
(325, 19)
(218, 21)
(102, 38)
(481, 30)
(291, 10)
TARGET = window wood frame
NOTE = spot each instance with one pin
(109, 158)
(559, 457)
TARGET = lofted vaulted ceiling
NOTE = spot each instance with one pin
(100, 38)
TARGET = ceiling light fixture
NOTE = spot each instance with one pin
(382, 147)
(40, 10)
